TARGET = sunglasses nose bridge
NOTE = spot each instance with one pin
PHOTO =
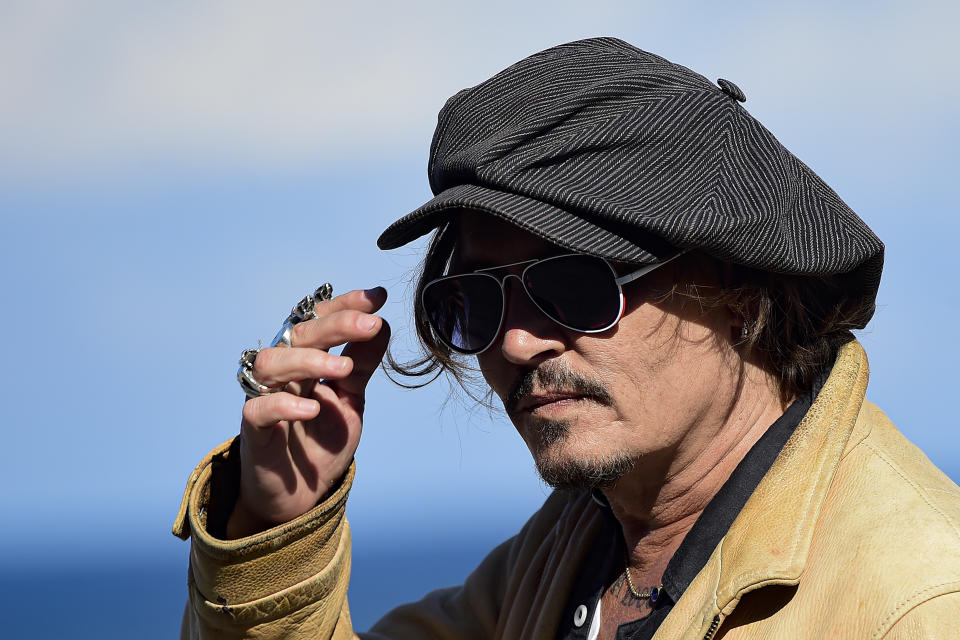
(507, 290)
(521, 290)
(507, 276)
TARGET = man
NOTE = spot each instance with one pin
(662, 297)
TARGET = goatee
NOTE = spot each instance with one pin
(550, 435)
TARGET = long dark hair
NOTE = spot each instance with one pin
(796, 324)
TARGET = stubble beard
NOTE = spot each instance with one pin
(560, 470)
(556, 467)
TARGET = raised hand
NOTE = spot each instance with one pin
(296, 444)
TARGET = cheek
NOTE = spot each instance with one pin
(645, 343)
(661, 358)
(492, 370)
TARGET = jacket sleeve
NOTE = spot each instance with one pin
(287, 582)
(291, 581)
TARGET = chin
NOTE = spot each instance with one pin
(561, 468)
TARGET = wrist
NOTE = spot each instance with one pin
(243, 522)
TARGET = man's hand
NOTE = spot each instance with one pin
(296, 444)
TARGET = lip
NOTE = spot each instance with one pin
(534, 401)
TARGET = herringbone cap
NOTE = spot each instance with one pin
(600, 147)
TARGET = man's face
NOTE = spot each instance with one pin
(591, 407)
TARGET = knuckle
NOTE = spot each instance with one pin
(310, 333)
(351, 319)
(298, 334)
(344, 320)
(319, 359)
(266, 360)
(287, 402)
(324, 306)
(324, 364)
(338, 326)
(253, 410)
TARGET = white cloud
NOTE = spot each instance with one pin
(98, 83)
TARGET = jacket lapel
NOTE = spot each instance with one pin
(769, 541)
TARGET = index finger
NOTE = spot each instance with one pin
(365, 300)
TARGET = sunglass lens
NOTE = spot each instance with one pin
(578, 291)
(465, 310)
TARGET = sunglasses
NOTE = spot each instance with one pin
(579, 292)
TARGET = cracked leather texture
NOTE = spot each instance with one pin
(852, 533)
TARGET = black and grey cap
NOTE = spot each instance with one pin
(600, 147)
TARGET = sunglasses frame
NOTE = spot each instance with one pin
(618, 280)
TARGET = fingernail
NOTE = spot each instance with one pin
(374, 293)
(306, 404)
(367, 322)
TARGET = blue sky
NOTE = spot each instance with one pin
(174, 176)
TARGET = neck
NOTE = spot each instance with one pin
(659, 501)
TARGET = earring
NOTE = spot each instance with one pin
(746, 329)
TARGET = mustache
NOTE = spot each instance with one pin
(553, 376)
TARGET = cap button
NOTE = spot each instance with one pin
(731, 90)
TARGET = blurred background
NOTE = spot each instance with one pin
(174, 176)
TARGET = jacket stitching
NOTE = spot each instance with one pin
(867, 429)
(902, 607)
(947, 492)
(920, 491)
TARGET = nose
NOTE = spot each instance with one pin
(528, 336)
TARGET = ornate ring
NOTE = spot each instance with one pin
(301, 312)
(250, 385)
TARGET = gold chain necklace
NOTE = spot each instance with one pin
(654, 592)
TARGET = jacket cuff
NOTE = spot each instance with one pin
(269, 575)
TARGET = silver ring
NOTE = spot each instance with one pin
(301, 312)
(252, 387)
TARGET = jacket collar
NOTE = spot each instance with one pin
(769, 541)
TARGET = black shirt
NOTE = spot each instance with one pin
(605, 560)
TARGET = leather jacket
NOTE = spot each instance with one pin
(852, 533)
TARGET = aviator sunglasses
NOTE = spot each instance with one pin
(579, 292)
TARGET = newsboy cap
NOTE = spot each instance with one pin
(600, 147)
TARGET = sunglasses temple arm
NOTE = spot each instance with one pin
(642, 271)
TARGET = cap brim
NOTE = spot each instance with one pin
(534, 216)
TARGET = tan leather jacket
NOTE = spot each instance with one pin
(853, 533)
